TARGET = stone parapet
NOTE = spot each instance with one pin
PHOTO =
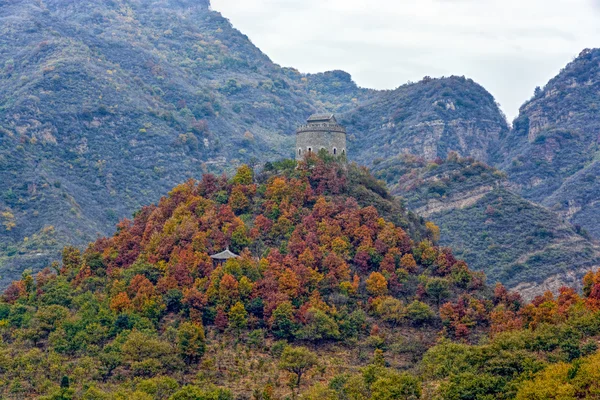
(325, 127)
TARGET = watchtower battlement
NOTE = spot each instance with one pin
(326, 127)
(321, 131)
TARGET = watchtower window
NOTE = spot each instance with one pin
(310, 149)
(299, 152)
(344, 152)
(334, 151)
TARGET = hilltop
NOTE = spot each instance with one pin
(430, 118)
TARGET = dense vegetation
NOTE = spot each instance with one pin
(545, 350)
(328, 300)
(106, 105)
(494, 229)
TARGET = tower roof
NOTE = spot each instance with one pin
(322, 118)
(224, 255)
(321, 123)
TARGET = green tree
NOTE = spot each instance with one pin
(93, 393)
(395, 386)
(160, 387)
(319, 326)
(109, 361)
(58, 291)
(64, 382)
(437, 288)
(191, 342)
(195, 393)
(473, 386)
(390, 309)
(244, 175)
(238, 317)
(319, 392)
(47, 319)
(64, 393)
(355, 388)
(419, 313)
(282, 321)
(298, 361)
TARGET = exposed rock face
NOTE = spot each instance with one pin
(571, 278)
(552, 153)
(578, 199)
(458, 201)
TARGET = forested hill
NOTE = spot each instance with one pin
(329, 299)
(106, 105)
(321, 264)
(513, 240)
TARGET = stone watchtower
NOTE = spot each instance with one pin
(321, 131)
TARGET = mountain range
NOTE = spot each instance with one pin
(106, 105)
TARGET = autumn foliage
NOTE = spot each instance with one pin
(320, 262)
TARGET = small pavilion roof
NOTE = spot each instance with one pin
(322, 118)
(224, 255)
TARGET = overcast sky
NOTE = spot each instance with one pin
(508, 46)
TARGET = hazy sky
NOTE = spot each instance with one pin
(508, 46)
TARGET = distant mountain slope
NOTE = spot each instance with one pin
(105, 105)
(513, 240)
(430, 118)
(552, 155)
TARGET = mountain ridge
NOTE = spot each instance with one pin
(551, 153)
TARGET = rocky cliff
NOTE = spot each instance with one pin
(552, 154)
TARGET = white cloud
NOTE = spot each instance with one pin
(508, 46)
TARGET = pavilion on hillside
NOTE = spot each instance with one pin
(222, 257)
